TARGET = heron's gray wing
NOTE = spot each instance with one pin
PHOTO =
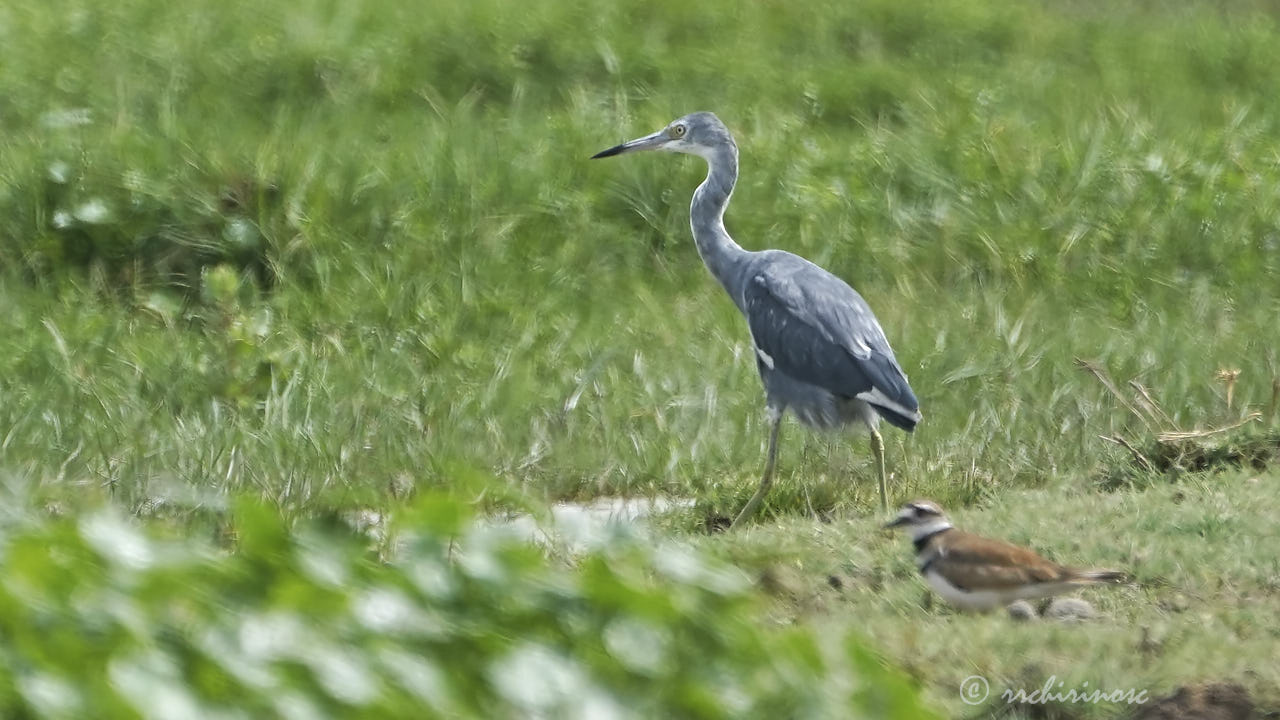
(812, 326)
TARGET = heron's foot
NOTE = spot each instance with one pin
(753, 504)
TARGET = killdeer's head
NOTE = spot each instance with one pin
(921, 518)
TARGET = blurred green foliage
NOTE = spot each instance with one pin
(103, 619)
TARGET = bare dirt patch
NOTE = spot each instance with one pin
(1246, 442)
(1209, 701)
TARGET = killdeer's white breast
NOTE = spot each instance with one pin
(965, 599)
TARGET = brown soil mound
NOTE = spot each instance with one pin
(1210, 701)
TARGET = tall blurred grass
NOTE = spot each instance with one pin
(334, 251)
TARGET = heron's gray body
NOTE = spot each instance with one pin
(819, 349)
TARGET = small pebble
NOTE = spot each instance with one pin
(1022, 611)
(1070, 610)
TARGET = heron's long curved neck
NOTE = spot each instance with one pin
(722, 256)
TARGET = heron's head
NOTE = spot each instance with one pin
(918, 514)
(699, 133)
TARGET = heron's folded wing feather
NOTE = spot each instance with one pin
(817, 329)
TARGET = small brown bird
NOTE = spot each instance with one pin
(977, 573)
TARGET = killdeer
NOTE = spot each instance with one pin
(977, 573)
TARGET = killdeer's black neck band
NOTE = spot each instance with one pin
(924, 569)
(920, 542)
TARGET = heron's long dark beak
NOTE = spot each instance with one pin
(648, 142)
(896, 522)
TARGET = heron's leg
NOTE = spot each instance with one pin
(877, 449)
(766, 480)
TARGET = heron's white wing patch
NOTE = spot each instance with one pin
(764, 357)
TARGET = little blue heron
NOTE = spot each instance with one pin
(819, 349)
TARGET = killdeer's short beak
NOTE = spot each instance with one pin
(896, 522)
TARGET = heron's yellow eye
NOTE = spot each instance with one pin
(678, 130)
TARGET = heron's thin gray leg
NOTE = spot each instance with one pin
(877, 448)
(766, 480)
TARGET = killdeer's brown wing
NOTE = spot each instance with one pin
(971, 562)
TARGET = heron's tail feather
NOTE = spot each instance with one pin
(897, 419)
(900, 409)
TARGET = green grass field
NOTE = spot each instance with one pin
(340, 256)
